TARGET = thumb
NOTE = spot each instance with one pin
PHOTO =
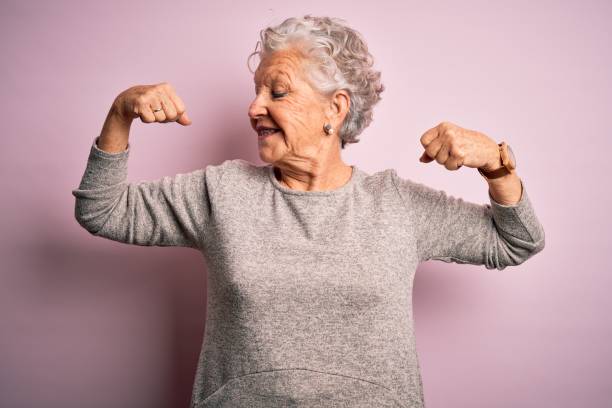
(184, 119)
(425, 158)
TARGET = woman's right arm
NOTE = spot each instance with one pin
(172, 211)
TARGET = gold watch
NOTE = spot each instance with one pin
(508, 163)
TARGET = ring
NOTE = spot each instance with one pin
(157, 110)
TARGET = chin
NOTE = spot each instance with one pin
(272, 149)
(264, 158)
(265, 154)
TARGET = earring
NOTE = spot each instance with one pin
(328, 129)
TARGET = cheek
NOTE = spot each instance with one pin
(301, 115)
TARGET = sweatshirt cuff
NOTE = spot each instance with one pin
(518, 219)
(108, 155)
(104, 169)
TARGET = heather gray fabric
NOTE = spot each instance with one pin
(309, 293)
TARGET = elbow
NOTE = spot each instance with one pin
(89, 220)
(539, 245)
(95, 209)
(85, 222)
(514, 254)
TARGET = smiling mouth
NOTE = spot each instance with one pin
(265, 132)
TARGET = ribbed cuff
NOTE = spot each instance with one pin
(106, 154)
(104, 168)
(518, 219)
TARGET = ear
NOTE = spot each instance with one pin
(339, 106)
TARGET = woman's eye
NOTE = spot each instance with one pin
(278, 94)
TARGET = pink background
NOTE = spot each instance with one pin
(87, 322)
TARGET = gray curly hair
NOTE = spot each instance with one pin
(343, 62)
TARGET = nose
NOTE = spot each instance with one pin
(257, 108)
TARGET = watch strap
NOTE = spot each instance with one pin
(494, 174)
(502, 171)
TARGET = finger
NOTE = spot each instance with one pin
(160, 115)
(453, 163)
(181, 111)
(443, 154)
(145, 113)
(168, 107)
(425, 158)
(457, 155)
(429, 136)
(433, 148)
(184, 119)
(178, 102)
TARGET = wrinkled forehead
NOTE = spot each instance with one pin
(285, 65)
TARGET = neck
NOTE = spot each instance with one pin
(314, 178)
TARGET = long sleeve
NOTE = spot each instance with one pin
(451, 229)
(171, 211)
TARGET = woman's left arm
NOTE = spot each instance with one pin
(451, 229)
(506, 232)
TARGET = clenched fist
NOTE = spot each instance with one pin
(151, 103)
(454, 147)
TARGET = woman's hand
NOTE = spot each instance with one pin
(142, 101)
(454, 147)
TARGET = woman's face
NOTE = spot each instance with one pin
(285, 100)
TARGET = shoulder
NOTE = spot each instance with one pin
(407, 185)
(382, 187)
(241, 168)
(390, 179)
(409, 190)
(378, 181)
(235, 172)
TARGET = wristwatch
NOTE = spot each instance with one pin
(508, 163)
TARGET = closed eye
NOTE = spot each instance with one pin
(277, 95)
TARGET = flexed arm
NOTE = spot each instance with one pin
(172, 211)
(447, 228)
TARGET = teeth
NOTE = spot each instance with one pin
(267, 132)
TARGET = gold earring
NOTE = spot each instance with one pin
(328, 129)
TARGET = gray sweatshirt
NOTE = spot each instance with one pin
(309, 293)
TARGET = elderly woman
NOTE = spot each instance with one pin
(310, 260)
